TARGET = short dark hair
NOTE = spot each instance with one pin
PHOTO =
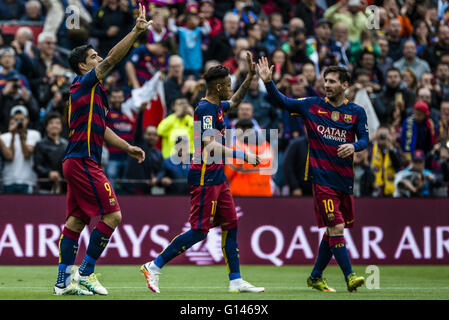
(361, 72)
(244, 124)
(215, 73)
(78, 55)
(343, 73)
(50, 116)
(393, 69)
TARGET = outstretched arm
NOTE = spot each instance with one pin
(241, 92)
(114, 140)
(280, 100)
(121, 49)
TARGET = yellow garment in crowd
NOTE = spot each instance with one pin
(383, 170)
(171, 128)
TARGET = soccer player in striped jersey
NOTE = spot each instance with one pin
(211, 202)
(89, 192)
(332, 124)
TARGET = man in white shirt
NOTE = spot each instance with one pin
(17, 147)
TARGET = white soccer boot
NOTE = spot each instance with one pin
(90, 282)
(151, 276)
(71, 289)
(244, 286)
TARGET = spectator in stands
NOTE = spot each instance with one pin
(241, 44)
(366, 43)
(415, 180)
(158, 30)
(243, 9)
(148, 170)
(367, 61)
(323, 50)
(190, 39)
(220, 47)
(294, 165)
(254, 37)
(245, 111)
(122, 126)
(310, 13)
(48, 155)
(354, 18)
(411, 61)
(277, 27)
(393, 100)
(173, 176)
(33, 11)
(244, 179)
(443, 124)
(429, 97)
(264, 112)
(421, 35)
(340, 34)
(7, 65)
(18, 175)
(207, 8)
(385, 162)
(179, 123)
(112, 22)
(296, 48)
(25, 50)
(442, 78)
(384, 62)
(363, 175)
(433, 53)
(145, 61)
(438, 161)
(15, 93)
(11, 9)
(395, 40)
(282, 65)
(173, 85)
(410, 80)
(418, 131)
(361, 79)
(42, 78)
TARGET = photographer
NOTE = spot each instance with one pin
(49, 153)
(414, 181)
(17, 148)
(15, 93)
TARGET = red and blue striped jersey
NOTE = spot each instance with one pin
(209, 118)
(146, 64)
(327, 128)
(88, 106)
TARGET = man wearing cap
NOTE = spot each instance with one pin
(17, 147)
(354, 18)
(12, 94)
(418, 130)
(414, 181)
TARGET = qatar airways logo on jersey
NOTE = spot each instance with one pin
(332, 133)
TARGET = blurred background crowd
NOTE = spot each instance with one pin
(396, 50)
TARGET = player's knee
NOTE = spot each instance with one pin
(112, 219)
(75, 224)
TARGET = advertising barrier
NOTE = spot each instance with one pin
(273, 231)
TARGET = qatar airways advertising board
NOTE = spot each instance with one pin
(272, 231)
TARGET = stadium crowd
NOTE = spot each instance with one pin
(396, 50)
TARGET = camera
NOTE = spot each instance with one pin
(16, 86)
(20, 125)
(382, 136)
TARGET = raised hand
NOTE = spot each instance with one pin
(251, 64)
(265, 71)
(141, 22)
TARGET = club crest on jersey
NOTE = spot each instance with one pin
(207, 122)
(112, 201)
(347, 118)
(335, 115)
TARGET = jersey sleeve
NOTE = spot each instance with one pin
(225, 105)
(89, 79)
(298, 106)
(361, 131)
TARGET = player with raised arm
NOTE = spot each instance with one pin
(332, 124)
(89, 192)
(211, 202)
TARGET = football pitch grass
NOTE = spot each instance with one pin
(210, 283)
